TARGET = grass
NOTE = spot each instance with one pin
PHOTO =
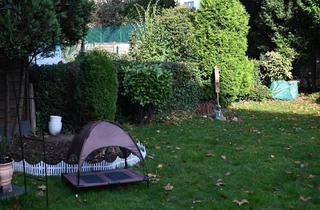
(270, 158)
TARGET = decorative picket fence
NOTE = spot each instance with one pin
(63, 167)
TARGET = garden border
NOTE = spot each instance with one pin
(63, 167)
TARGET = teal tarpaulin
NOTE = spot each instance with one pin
(110, 34)
(284, 90)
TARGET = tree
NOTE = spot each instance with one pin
(117, 12)
(32, 27)
(168, 36)
(292, 24)
(221, 37)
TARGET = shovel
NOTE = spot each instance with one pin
(218, 113)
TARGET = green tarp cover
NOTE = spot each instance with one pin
(110, 34)
(284, 90)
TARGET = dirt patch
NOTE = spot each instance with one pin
(56, 150)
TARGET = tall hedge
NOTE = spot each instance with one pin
(98, 86)
(55, 91)
(221, 36)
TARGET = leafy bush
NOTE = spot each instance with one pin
(98, 86)
(257, 76)
(185, 85)
(168, 36)
(147, 85)
(185, 93)
(55, 91)
(221, 36)
(276, 66)
(259, 93)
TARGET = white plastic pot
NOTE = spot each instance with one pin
(55, 125)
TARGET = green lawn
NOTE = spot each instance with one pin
(270, 158)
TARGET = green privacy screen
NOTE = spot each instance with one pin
(110, 34)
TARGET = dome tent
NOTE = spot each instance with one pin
(97, 135)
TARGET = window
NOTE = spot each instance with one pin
(189, 4)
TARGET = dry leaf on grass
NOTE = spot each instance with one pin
(223, 157)
(42, 188)
(311, 176)
(240, 202)
(168, 187)
(160, 166)
(305, 199)
(153, 178)
(219, 183)
(227, 174)
(209, 154)
(40, 193)
(196, 201)
(177, 148)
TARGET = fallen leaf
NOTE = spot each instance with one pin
(168, 187)
(219, 183)
(160, 166)
(196, 201)
(150, 175)
(153, 178)
(42, 188)
(288, 172)
(158, 131)
(209, 154)
(151, 157)
(241, 202)
(177, 148)
(223, 157)
(40, 193)
(227, 174)
(272, 156)
(158, 147)
(311, 176)
(305, 199)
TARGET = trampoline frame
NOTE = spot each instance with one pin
(74, 179)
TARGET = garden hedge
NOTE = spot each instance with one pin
(55, 91)
(60, 92)
(98, 86)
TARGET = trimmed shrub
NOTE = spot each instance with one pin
(147, 85)
(185, 86)
(98, 86)
(276, 66)
(221, 38)
(259, 93)
(185, 93)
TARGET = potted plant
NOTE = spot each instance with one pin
(6, 166)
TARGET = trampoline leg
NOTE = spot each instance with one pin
(148, 182)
